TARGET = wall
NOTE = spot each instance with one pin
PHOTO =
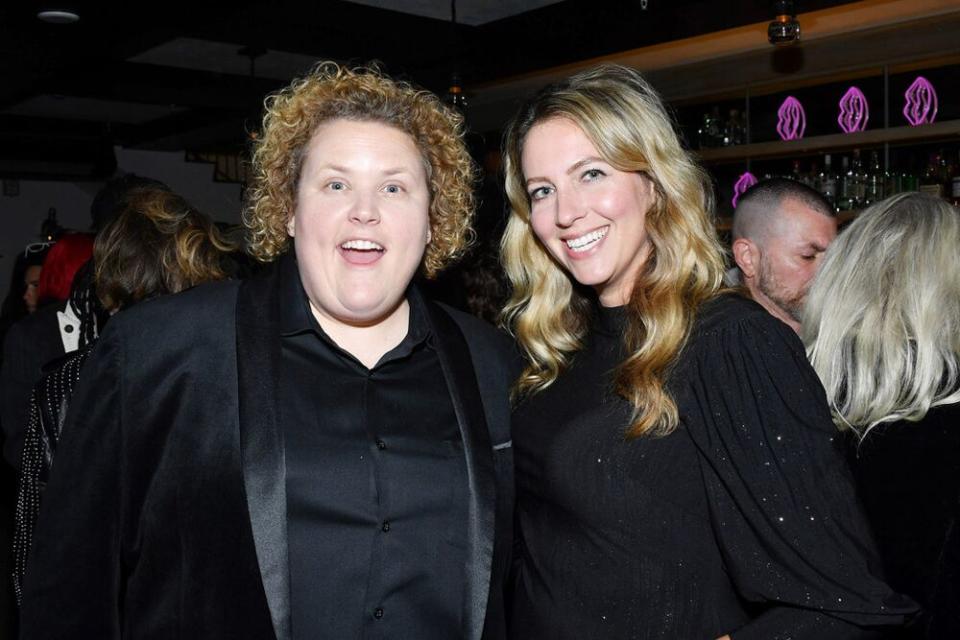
(22, 215)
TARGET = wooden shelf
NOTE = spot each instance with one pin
(830, 143)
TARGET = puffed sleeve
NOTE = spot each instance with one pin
(789, 526)
(73, 579)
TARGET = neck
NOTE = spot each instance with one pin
(367, 342)
(774, 309)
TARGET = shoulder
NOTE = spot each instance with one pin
(741, 323)
(172, 319)
(475, 329)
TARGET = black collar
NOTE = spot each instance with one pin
(296, 316)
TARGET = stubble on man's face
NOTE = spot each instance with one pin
(789, 300)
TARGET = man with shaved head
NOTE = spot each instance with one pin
(781, 229)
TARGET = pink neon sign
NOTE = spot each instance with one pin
(921, 102)
(791, 119)
(745, 181)
(854, 111)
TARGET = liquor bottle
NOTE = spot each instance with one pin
(955, 185)
(875, 182)
(795, 174)
(859, 181)
(827, 181)
(733, 130)
(845, 197)
(930, 181)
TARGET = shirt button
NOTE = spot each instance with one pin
(68, 328)
(381, 444)
(385, 527)
(378, 613)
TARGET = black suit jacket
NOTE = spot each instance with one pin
(29, 345)
(165, 514)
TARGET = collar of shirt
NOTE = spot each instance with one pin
(297, 318)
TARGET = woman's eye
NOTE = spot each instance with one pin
(393, 188)
(540, 193)
(336, 186)
(592, 174)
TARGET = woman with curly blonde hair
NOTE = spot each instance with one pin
(675, 474)
(316, 452)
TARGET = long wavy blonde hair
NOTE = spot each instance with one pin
(331, 92)
(882, 319)
(548, 313)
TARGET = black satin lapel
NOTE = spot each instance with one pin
(454, 356)
(261, 444)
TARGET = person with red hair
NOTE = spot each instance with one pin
(60, 266)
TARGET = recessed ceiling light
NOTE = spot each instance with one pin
(58, 17)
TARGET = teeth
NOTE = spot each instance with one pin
(361, 245)
(587, 240)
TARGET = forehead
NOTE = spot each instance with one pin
(334, 140)
(555, 141)
(798, 222)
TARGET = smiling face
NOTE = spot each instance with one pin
(590, 216)
(361, 222)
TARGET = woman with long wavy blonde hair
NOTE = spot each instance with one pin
(882, 328)
(675, 475)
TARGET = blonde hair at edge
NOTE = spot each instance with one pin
(365, 94)
(547, 313)
(882, 319)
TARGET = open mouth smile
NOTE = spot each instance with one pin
(587, 240)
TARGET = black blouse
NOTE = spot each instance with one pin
(742, 521)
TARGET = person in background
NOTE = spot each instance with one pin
(157, 245)
(317, 452)
(41, 337)
(31, 284)
(675, 471)
(882, 329)
(780, 230)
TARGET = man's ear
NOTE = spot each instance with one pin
(747, 256)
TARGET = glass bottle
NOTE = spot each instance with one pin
(827, 181)
(845, 197)
(874, 186)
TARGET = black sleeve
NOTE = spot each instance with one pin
(793, 535)
(72, 586)
(16, 380)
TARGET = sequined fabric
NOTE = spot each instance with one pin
(48, 409)
(742, 521)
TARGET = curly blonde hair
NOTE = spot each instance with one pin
(333, 92)
(626, 121)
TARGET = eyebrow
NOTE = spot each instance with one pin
(342, 169)
(573, 168)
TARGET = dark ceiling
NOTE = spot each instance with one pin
(177, 76)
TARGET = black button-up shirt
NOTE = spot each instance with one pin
(376, 483)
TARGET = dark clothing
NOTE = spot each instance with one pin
(908, 474)
(166, 511)
(741, 521)
(29, 345)
(48, 410)
(375, 469)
